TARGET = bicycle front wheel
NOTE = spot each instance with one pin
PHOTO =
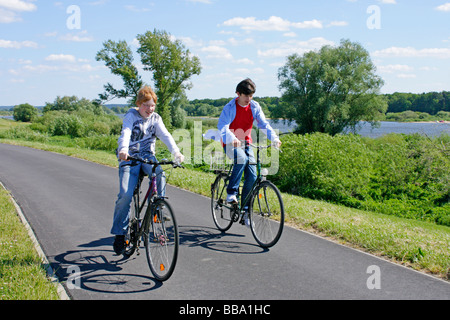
(222, 216)
(266, 214)
(161, 240)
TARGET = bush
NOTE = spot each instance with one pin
(24, 112)
(67, 124)
(320, 166)
(406, 176)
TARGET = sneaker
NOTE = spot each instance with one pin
(231, 198)
(119, 244)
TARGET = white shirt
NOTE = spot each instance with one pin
(139, 135)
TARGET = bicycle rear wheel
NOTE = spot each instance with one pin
(161, 240)
(266, 214)
(221, 214)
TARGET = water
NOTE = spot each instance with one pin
(431, 129)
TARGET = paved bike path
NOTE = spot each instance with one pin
(69, 204)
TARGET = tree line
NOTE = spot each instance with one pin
(431, 103)
(327, 90)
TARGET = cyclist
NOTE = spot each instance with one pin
(235, 125)
(141, 126)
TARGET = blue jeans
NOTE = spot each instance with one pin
(242, 158)
(128, 178)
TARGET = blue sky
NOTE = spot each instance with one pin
(47, 49)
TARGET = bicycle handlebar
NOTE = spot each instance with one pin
(244, 142)
(157, 163)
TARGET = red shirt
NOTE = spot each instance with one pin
(242, 123)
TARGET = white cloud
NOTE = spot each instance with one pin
(293, 46)
(290, 34)
(338, 24)
(7, 16)
(442, 53)
(244, 61)
(406, 76)
(17, 5)
(395, 68)
(9, 10)
(9, 44)
(217, 52)
(243, 42)
(444, 7)
(272, 24)
(200, 1)
(133, 8)
(80, 37)
(72, 67)
(61, 58)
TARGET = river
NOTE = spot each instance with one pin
(431, 129)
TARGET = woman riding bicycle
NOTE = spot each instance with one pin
(235, 125)
(141, 126)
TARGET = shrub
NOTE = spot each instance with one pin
(406, 176)
(24, 112)
(324, 167)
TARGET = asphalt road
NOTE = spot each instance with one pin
(69, 204)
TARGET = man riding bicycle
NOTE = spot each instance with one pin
(235, 125)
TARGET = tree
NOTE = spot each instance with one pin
(171, 64)
(330, 90)
(72, 104)
(169, 61)
(118, 57)
(24, 112)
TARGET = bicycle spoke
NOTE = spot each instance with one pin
(221, 214)
(162, 241)
(267, 204)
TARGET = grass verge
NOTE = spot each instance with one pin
(420, 245)
(22, 275)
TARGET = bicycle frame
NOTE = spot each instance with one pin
(259, 178)
(149, 196)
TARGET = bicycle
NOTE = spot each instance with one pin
(158, 228)
(265, 208)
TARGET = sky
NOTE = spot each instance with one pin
(48, 48)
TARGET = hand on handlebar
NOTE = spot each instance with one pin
(178, 158)
(123, 155)
(236, 143)
(276, 143)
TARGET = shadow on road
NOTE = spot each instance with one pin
(213, 239)
(96, 268)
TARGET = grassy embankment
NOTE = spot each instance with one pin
(22, 275)
(420, 245)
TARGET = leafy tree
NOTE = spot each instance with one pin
(72, 104)
(330, 90)
(118, 57)
(171, 64)
(169, 61)
(24, 112)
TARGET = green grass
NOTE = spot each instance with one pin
(22, 275)
(420, 245)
